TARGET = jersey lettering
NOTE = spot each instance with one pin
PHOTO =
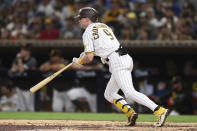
(95, 32)
(108, 33)
(105, 30)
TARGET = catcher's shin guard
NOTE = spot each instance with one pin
(124, 107)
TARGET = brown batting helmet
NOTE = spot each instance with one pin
(88, 12)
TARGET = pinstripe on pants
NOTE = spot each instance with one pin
(121, 67)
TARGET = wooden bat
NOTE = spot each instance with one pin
(48, 79)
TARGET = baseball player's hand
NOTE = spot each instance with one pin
(103, 60)
(78, 61)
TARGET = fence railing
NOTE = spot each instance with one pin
(78, 43)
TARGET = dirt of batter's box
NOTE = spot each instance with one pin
(26, 127)
(72, 125)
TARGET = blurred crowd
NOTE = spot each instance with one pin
(130, 19)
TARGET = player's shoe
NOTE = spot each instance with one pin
(161, 115)
(131, 117)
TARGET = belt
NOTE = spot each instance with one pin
(121, 51)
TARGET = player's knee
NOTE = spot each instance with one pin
(130, 94)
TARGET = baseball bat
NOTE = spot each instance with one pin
(48, 79)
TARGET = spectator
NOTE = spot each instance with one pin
(111, 17)
(132, 19)
(62, 11)
(99, 5)
(35, 26)
(180, 98)
(9, 99)
(34, 30)
(46, 7)
(183, 33)
(194, 27)
(118, 14)
(22, 63)
(71, 30)
(155, 20)
(17, 28)
(127, 33)
(5, 33)
(143, 34)
(50, 33)
(60, 98)
(148, 31)
(166, 34)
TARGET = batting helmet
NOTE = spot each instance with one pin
(88, 12)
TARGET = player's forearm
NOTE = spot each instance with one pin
(85, 61)
(87, 58)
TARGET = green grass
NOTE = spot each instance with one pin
(88, 116)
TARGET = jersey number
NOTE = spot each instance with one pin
(108, 33)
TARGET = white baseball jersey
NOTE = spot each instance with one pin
(99, 38)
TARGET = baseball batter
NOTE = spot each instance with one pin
(99, 40)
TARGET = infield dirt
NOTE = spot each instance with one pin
(73, 125)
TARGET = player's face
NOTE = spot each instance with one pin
(83, 22)
(24, 52)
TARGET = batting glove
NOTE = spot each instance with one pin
(78, 61)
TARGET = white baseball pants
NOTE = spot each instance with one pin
(25, 100)
(121, 67)
(61, 100)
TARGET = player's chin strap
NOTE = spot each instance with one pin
(122, 105)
